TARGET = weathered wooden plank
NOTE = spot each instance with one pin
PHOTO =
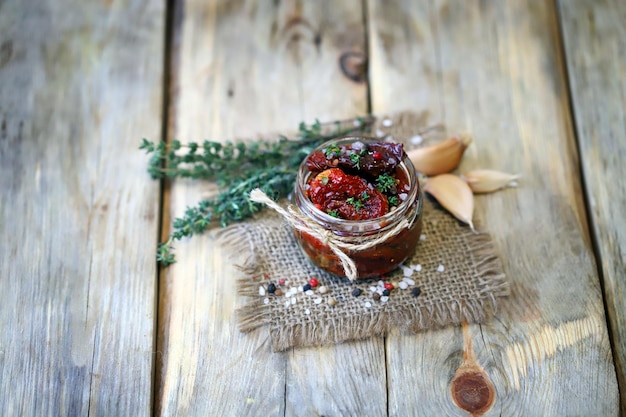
(494, 68)
(244, 68)
(595, 46)
(80, 84)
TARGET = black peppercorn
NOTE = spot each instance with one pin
(416, 292)
(306, 287)
(271, 288)
(356, 292)
(386, 293)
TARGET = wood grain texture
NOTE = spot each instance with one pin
(595, 46)
(80, 85)
(244, 67)
(495, 69)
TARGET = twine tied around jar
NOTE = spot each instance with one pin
(338, 244)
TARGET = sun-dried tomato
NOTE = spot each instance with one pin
(370, 160)
(346, 196)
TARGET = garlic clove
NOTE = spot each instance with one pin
(441, 157)
(454, 195)
(487, 180)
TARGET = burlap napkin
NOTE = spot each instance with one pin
(454, 275)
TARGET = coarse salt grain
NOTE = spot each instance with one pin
(307, 311)
(293, 300)
(309, 292)
(266, 301)
(440, 268)
(403, 196)
(381, 283)
(261, 291)
(323, 289)
(387, 122)
(418, 268)
(403, 285)
(300, 289)
(409, 281)
(287, 304)
(368, 304)
(422, 237)
(384, 299)
(407, 271)
(318, 300)
(373, 289)
(416, 140)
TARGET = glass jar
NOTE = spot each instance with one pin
(378, 259)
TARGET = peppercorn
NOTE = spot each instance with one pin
(271, 288)
(306, 287)
(356, 292)
(415, 292)
(281, 281)
(278, 292)
(388, 286)
(313, 282)
(386, 293)
(376, 296)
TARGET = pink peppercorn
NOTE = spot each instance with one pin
(281, 281)
(388, 286)
(313, 282)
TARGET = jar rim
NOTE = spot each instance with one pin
(375, 224)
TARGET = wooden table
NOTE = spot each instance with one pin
(90, 324)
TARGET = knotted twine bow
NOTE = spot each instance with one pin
(338, 244)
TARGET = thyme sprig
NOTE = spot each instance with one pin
(237, 168)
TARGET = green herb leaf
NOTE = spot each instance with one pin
(385, 182)
(356, 159)
(237, 168)
(332, 151)
(333, 213)
(147, 145)
(358, 204)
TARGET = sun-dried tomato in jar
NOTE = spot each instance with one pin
(357, 187)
